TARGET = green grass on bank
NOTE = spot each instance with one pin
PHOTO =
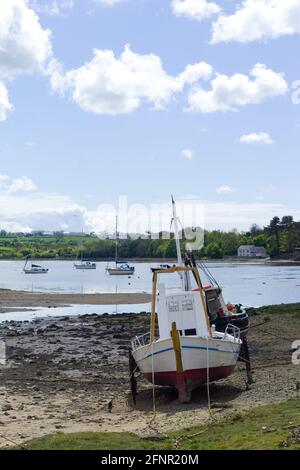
(292, 310)
(268, 427)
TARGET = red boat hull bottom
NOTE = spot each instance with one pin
(187, 381)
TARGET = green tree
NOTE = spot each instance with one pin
(213, 250)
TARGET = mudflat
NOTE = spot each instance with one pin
(71, 374)
(13, 300)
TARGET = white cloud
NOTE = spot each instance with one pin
(29, 143)
(5, 105)
(195, 72)
(195, 9)
(22, 184)
(230, 215)
(188, 153)
(40, 211)
(258, 19)
(225, 189)
(35, 210)
(24, 45)
(228, 93)
(111, 85)
(14, 185)
(52, 7)
(109, 3)
(257, 138)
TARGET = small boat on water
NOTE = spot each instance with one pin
(183, 349)
(34, 268)
(85, 264)
(160, 266)
(121, 268)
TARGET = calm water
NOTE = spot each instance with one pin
(251, 285)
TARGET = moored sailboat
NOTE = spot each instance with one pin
(85, 264)
(121, 268)
(34, 268)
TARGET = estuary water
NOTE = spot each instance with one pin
(249, 284)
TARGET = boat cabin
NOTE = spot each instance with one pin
(183, 307)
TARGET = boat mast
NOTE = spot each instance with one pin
(176, 233)
(116, 246)
(183, 276)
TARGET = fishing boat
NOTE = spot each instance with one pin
(120, 268)
(182, 348)
(85, 264)
(34, 268)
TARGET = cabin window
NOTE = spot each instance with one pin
(190, 332)
(173, 306)
(187, 305)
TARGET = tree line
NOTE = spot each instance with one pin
(281, 238)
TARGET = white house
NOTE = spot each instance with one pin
(252, 251)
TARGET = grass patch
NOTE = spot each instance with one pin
(268, 427)
(292, 310)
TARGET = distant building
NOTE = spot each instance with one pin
(252, 251)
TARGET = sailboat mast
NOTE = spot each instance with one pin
(116, 246)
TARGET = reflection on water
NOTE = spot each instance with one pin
(251, 285)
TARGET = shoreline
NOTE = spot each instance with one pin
(14, 300)
(233, 260)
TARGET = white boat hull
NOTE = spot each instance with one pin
(29, 271)
(78, 266)
(203, 361)
(120, 272)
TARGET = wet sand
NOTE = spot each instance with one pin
(65, 374)
(13, 300)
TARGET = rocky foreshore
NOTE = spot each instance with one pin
(71, 374)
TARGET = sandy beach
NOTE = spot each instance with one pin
(13, 300)
(65, 373)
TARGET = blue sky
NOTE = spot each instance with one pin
(62, 155)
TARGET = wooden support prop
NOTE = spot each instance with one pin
(132, 369)
(246, 357)
(177, 347)
(183, 394)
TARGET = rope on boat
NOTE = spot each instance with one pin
(153, 385)
(208, 274)
(207, 379)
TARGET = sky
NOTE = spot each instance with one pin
(102, 99)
